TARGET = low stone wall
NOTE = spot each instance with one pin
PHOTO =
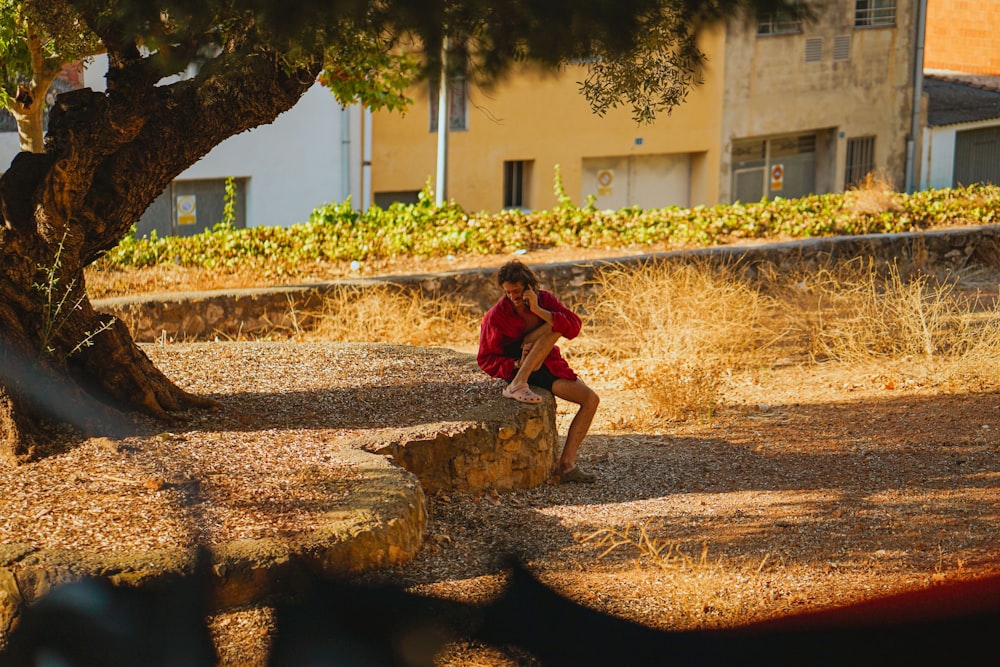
(226, 314)
(384, 526)
(260, 312)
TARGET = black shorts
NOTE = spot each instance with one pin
(543, 378)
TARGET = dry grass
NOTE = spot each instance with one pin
(663, 311)
(678, 390)
(854, 313)
(671, 331)
(386, 314)
(678, 335)
(650, 550)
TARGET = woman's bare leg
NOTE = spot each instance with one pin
(575, 391)
(538, 343)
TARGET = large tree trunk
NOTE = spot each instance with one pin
(108, 156)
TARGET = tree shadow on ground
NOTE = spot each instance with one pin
(910, 481)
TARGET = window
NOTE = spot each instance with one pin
(457, 105)
(778, 23)
(516, 175)
(386, 199)
(860, 160)
(874, 13)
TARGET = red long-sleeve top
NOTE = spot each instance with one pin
(502, 331)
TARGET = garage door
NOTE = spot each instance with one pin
(192, 206)
(977, 156)
(646, 181)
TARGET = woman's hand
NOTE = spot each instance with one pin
(531, 299)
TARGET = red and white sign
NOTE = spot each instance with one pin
(777, 176)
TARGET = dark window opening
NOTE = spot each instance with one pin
(869, 13)
(515, 180)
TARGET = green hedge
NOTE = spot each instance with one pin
(337, 232)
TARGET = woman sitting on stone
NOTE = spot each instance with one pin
(517, 343)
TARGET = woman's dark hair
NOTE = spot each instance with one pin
(518, 273)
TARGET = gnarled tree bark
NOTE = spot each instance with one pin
(108, 156)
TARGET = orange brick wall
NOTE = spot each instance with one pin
(963, 36)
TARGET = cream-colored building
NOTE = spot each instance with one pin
(784, 109)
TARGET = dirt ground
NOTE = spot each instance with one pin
(812, 487)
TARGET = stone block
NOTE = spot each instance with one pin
(478, 451)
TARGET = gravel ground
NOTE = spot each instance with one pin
(814, 487)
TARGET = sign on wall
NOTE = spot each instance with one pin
(187, 209)
(605, 182)
(777, 176)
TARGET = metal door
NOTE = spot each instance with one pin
(977, 157)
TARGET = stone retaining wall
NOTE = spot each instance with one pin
(260, 312)
(383, 526)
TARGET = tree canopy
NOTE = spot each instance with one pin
(183, 76)
(37, 39)
(640, 53)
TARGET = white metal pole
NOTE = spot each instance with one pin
(366, 159)
(346, 153)
(441, 186)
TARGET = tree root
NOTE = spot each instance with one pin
(123, 371)
(103, 380)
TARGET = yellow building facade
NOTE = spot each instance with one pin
(783, 109)
(532, 121)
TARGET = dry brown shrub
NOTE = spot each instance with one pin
(853, 312)
(974, 363)
(672, 331)
(678, 390)
(875, 194)
(667, 311)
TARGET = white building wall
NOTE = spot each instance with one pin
(937, 160)
(9, 147)
(292, 165)
(309, 156)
